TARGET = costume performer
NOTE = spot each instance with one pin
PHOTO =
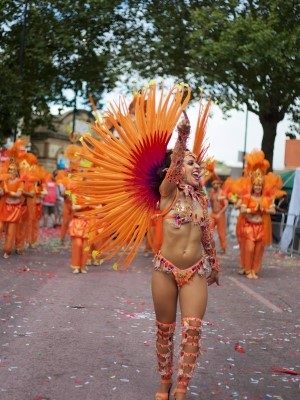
(28, 199)
(63, 180)
(12, 207)
(79, 225)
(235, 190)
(129, 187)
(42, 176)
(219, 204)
(3, 177)
(78, 233)
(256, 207)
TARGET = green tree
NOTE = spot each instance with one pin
(47, 47)
(245, 52)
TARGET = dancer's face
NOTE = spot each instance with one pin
(191, 171)
(13, 172)
(216, 185)
(257, 189)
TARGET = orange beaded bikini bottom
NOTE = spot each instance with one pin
(182, 276)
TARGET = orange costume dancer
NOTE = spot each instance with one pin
(1, 205)
(131, 182)
(12, 207)
(66, 217)
(25, 225)
(3, 176)
(235, 190)
(29, 165)
(79, 234)
(79, 225)
(40, 191)
(256, 207)
(64, 181)
(219, 204)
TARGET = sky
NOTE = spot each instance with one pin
(226, 136)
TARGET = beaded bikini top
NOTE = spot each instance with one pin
(184, 212)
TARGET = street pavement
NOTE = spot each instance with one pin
(92, 337)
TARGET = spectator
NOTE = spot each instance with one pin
(49, 202)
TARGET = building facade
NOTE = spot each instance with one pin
(49, 144)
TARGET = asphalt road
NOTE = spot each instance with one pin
(91, 337)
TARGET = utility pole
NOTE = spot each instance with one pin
(245, 136)
(72, 136)
(74, 113)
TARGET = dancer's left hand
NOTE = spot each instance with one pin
(213, 278)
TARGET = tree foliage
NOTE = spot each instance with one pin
(47, 47)
(243, 51)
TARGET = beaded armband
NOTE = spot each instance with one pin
(207, 238)
(174, 173)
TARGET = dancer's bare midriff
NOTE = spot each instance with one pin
(182, 245)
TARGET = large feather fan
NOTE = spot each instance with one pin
(121, 184)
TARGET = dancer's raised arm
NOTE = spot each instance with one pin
(175, 171)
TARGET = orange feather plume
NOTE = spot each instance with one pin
(198, 149)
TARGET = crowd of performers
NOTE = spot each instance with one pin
(254, 195)
(22, 189)
(124, 188)
(30, 196)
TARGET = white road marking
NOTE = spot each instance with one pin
(257, 296)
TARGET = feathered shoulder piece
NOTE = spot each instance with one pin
(273, 186)
(121, 184)
(40, 173)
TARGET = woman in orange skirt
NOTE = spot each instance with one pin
(67, 214)
(2, 198)
(12, 208)
(256, 207)
(40, 191)
(28, 213)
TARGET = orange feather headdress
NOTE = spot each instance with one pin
(17, 151)
(256, 166)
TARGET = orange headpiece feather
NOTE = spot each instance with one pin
(256, 166)
(199, 149)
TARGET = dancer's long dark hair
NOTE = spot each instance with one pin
(160, 172)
